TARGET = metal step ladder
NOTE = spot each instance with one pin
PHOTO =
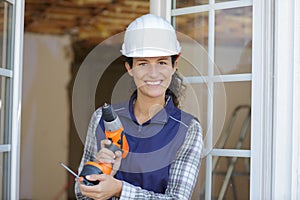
(232, 161)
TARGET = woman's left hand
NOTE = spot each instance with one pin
(108, 187)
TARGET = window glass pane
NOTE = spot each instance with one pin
(194, 60)
(4, 175)
(195, 102)
(199, 190)
(188, 3)
(1, 174)
(194, 26)
(195, 96)
(237, 186)
(233, 40)
(196, 93)
(4, 109)
(5, 30)
(236, 126)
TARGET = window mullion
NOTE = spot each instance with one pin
(161, 8)
(231, 153)
(5, 148)
(10, 1)
(215, 6)
(6, 72)
(210, 100)
(219, 78)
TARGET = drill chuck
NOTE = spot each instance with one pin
(108, 114)
(111, 120)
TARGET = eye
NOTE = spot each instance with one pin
(142, 64)
(162, 63)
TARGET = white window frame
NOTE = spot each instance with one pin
(275, 135)
(296, 106)
(14, 73)
(265, 103)
(211, 80)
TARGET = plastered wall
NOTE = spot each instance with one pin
(45, 116)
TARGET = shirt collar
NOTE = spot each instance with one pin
(161, 117)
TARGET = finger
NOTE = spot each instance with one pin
(115, 169)
(118, 157)
(105, 142)
(86, 188)
(106, 151)
(89, 191)
(96, 177)
(118, 154)
(105, 160)
(117, 163)
(105, 156)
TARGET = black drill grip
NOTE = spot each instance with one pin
(113, 148)
(86, 182)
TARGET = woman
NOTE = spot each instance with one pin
(165, 143)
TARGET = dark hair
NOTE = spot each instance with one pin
(129, 60)
(176, 88)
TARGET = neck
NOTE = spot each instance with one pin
(145, 108)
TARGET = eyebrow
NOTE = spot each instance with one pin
(163, 58)
(141, 59)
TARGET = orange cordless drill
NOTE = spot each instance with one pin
(114, 131)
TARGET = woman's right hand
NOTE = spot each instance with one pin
(107, 156)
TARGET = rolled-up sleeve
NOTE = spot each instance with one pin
(90, 148)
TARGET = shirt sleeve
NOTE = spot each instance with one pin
(183, 171)
(90, 148)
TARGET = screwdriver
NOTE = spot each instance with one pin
(85, 182)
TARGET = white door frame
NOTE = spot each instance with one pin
(14, 22)
(18, 33)
(286, 144)
(262, 100)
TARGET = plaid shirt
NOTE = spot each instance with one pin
(183, 170)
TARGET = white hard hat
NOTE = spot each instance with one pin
(150, 36)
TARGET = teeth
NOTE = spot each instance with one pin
(153, 82)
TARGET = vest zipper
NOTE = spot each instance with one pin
(140, 127)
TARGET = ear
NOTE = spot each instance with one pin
(175, 66)
(128, 68)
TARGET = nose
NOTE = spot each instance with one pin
(153, 70)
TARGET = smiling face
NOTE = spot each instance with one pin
(152, 76)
